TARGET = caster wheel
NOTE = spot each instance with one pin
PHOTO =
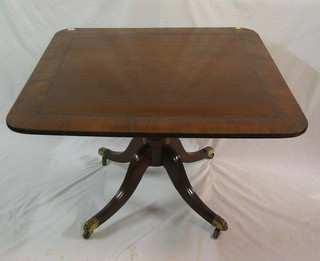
(102, 152)
(216, 233)
(104, 161)
(86, 235)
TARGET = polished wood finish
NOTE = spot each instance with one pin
(168, 82)
(178, 176)
(124, 156)
(137, 167)
(157, 85)
(190, 156)
(137, 142)
(156, 152)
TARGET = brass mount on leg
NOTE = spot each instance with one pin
(102, 152)
(219, 223)
(210, 152)
(89, 226)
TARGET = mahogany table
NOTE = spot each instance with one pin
(157, 85)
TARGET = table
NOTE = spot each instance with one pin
(156, 86)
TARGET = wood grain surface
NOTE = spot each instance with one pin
(170, 82)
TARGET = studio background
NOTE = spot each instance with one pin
(267, 189)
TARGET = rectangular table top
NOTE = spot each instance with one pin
(171, 82)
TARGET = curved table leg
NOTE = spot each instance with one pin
(138, 165)
(206, 153)
(124, 156)
(173, 164)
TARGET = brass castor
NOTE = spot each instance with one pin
(86, 235)
(220, 224)
(216, 233)
(210, 152)
(89, 226)
(102, 152)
